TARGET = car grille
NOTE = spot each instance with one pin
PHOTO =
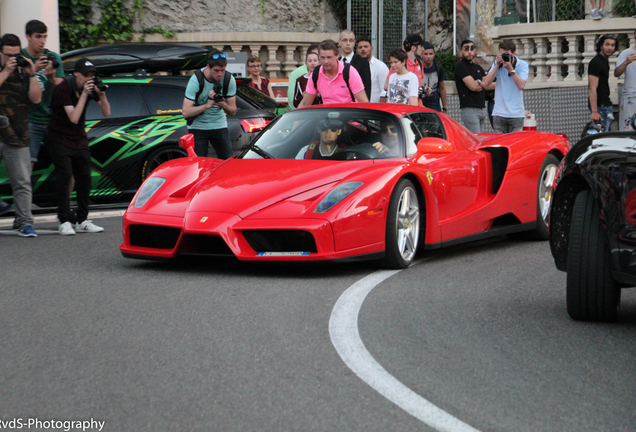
(202, 244)
(156, 237)
(280, 240)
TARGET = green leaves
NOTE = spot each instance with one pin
(77, 28)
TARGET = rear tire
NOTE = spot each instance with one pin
(402, 226)
(592, 293)
(159, 156)
(544, 198)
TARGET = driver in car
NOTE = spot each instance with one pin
(327, 146)
(389, 146)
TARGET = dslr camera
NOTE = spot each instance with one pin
(21, 60)
(422, 90)
(218, 97)
(97, 81)
(50, 57)
(506, 57)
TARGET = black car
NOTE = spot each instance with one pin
(593, 223)
(142, 132)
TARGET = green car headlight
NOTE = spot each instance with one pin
(335, 196)
(148, 190)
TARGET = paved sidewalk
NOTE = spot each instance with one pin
(8, 221)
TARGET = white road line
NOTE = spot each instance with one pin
(345, 337)
(8, 221)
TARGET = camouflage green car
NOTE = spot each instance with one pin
(142, 133)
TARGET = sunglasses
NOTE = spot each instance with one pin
(332, 125)
(468, 47)
(389, 130)
(218, 56)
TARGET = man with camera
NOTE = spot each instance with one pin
(18, 87)
(50, 73)
(69, 144)
(209, 97)
(511, 73)
(433, 87)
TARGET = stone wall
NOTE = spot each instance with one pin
(239, 16)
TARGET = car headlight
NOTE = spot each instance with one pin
(148, 190)
(335, 196)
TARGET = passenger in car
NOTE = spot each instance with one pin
(390, 145)
(330, 131)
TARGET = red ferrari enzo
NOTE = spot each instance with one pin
(363, 181)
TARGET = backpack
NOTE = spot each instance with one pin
(345, 75)
(199, 74)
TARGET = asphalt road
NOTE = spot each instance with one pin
(479, 331)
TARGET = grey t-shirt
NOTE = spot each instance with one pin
(629, 88)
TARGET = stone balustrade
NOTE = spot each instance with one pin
(280, 52)
(559, 52)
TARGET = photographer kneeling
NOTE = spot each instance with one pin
(209, 97)
(511, 73)
(69, 144)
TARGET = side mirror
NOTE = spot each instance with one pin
(187, 142)
(434, 145)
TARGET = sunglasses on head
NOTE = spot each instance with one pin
(218, 56)
(468, 47)
(332, 125)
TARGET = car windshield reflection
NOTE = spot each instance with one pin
(330, 134)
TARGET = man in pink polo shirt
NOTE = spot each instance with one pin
(331, 83)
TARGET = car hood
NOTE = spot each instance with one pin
(245, 186)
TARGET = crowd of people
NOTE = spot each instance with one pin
(40, 105)
(43, 106)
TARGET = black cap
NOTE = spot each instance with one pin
(414, 39)
(84, 66)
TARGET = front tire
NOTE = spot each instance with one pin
(159, 156)
(592, 293)
(402, 226)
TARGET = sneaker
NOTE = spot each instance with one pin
(27, 231)
(88, 227)
(66, 229)
(5, 207)
(602, 13)
(595, 15)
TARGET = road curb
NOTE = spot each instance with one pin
(8, 221)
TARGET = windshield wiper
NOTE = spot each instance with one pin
(259, 151)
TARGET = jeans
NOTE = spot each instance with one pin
(39, 135)
(219, 138)
(606, 118)
(474, 119)
(77, 163)
(18, 165)
(504, 125)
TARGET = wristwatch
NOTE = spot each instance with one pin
(444, 109)
(479, 81)
(512, 73)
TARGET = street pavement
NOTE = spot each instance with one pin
(480, 331)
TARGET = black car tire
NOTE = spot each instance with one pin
(159, 156)
(402, 226)
(544, 197)
(592, 293)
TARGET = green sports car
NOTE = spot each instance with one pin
(142, 133)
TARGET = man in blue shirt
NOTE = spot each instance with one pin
(207, 112)
(511, 73)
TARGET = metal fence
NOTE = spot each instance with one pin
(384, 20)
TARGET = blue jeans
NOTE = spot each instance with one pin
(18, 166)
(219, 138)
(605, 111)
(39, 135)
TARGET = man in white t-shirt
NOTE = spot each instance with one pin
(626, 64)
(402, 85)
(379, 70)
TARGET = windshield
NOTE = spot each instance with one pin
(334, 134)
